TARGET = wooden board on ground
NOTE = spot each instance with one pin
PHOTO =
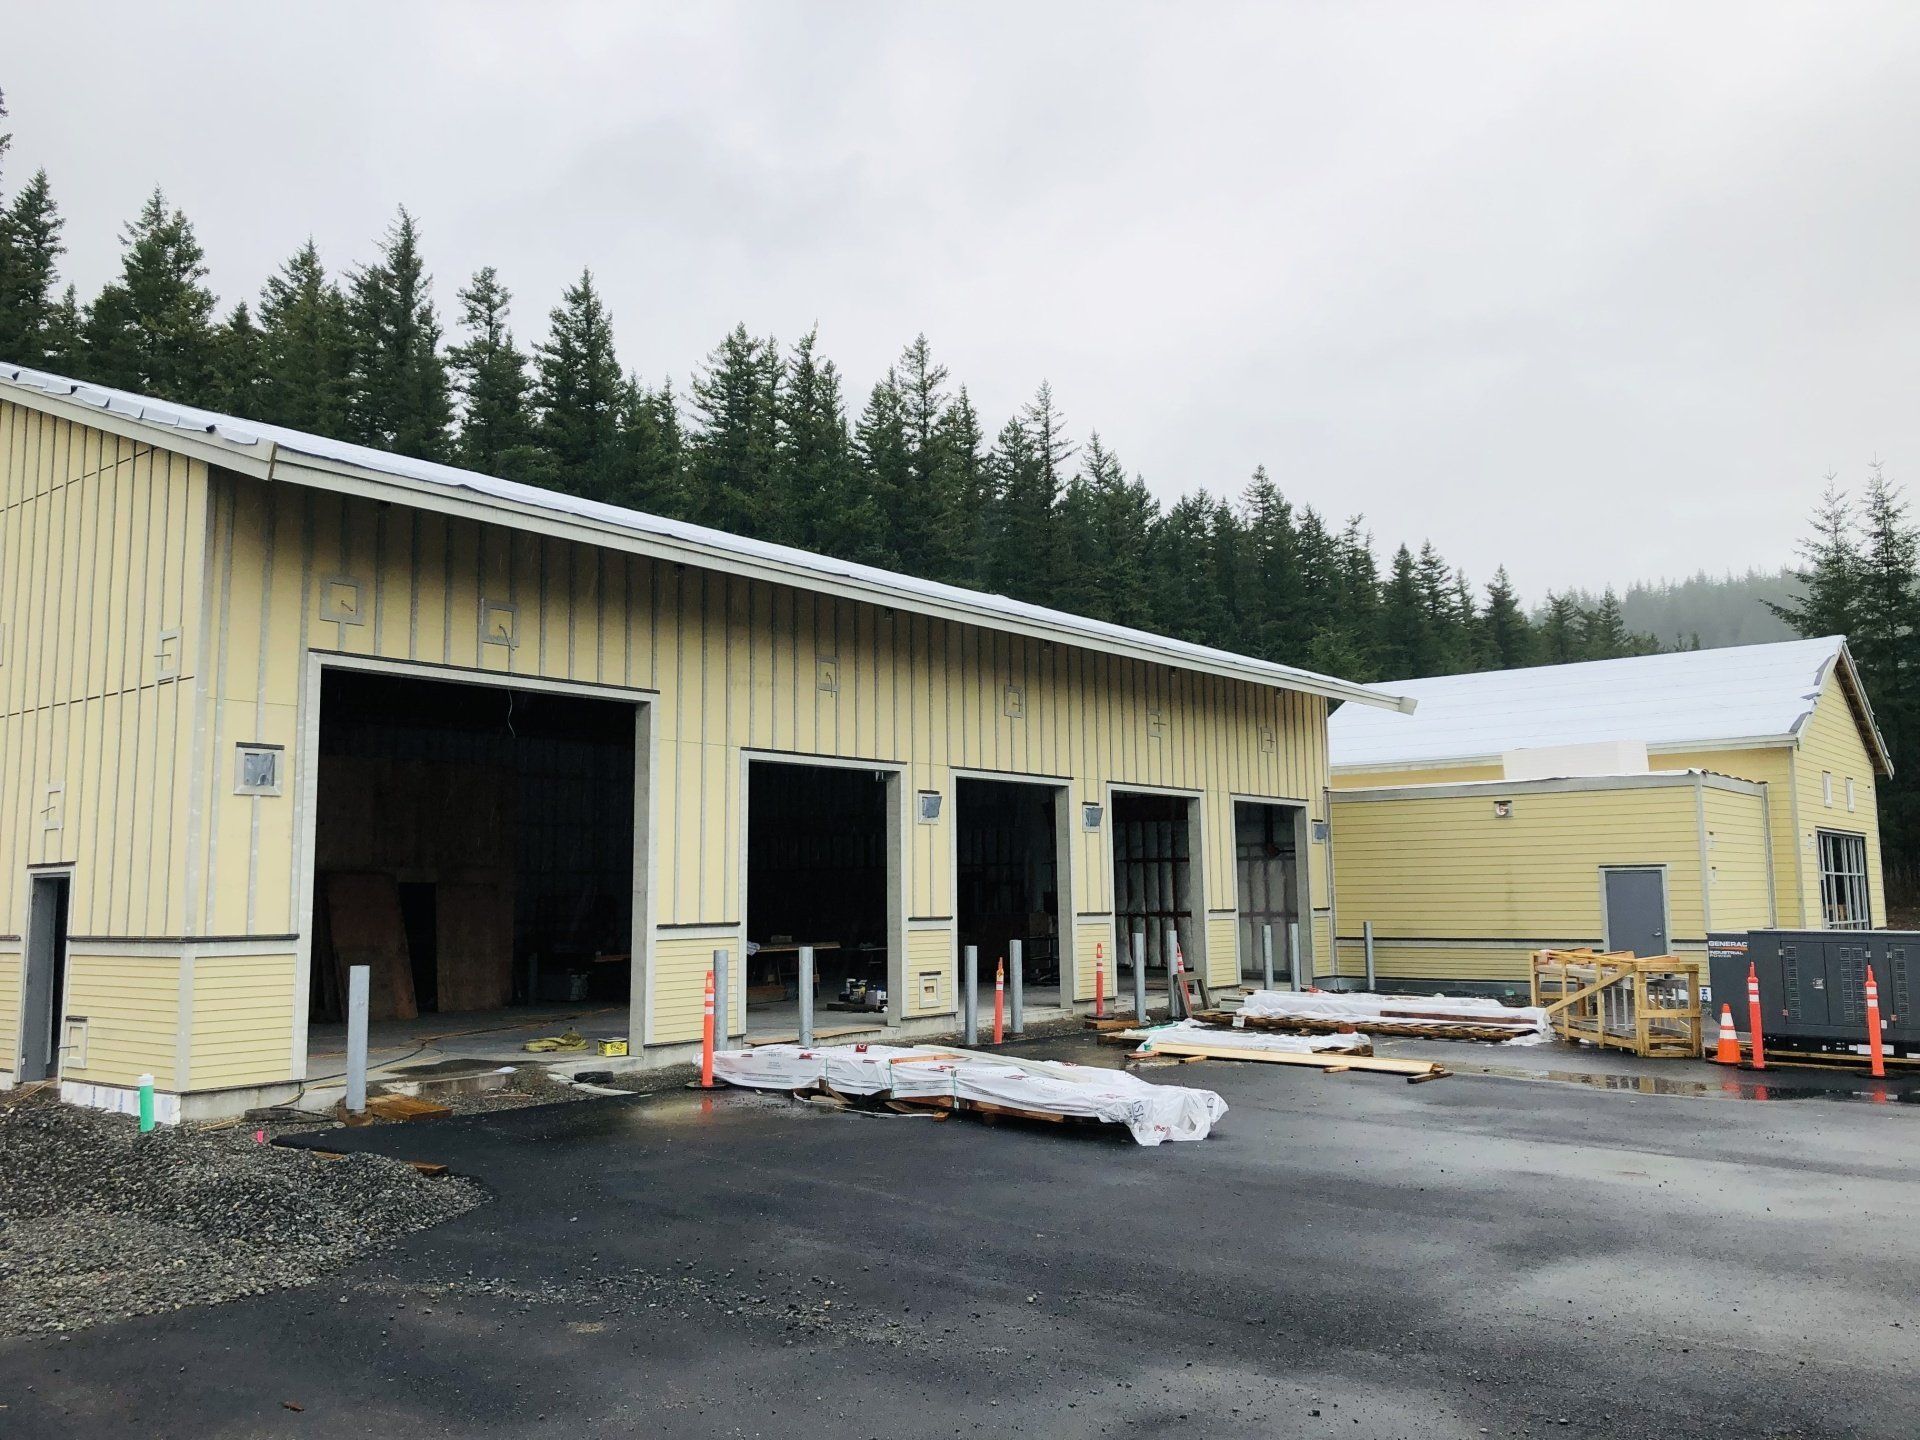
(363, 919)
(1331, 1061)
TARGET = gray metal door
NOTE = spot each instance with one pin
(1637, 911)
(41, 987)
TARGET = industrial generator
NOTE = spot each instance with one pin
(1813, 983)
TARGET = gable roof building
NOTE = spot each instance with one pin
(1624, 803)
(273, 707)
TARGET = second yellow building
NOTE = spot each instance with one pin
(1633, 804)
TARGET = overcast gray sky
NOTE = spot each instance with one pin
(1599, 291)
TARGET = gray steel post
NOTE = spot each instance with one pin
(1266, 955)
(806, 994)
(1140, 977)
(1016, 980)
(357, 979)
(722, 1012)
(970, 995)
(1293, 954)
(1366, 933)
(1175, 1010)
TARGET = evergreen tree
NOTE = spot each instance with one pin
(735, 445)
(236, 366)
(1603, 635)
(1187, 602)
(961, 445)
(1406, 632)
(1277, 621)
(1107, 519)
(152, 329)
(579, 389)
(1508, 635)
(928, 525)
(885, 455)
(398, 396)
(1829, 572)
(829, 506)
(1024, 546)
(304, 348)
(489, 373)
(65, 344)
(652, 453)
(30, 250)
(1561, 636)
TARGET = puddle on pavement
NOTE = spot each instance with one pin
(1699, 1089)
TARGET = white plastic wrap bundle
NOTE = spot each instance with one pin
(1151, 1113)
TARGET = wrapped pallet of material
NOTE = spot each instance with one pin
(1347, 1042)
(1398, 1014)
(1151, 1113)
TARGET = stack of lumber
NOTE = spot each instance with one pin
(1416, 1017)
(1199, 1039)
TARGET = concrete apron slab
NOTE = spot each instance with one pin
(404, 1059)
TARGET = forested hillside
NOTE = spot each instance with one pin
(1707, 611)
(766, 439)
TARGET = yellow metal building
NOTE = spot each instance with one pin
(178, 590)
(1568, 805)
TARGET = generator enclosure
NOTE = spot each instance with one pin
(1813, 983)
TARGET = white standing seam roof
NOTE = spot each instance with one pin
(272, 452)
(1747, 695)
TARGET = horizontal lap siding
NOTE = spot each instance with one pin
(1773, 768)
(1445, 868)
(930, 952)
(242, 1020)
(1509, 963)
(131, 1006)
(9, 1010)
(1831, 744)
(1737, 855)
(1091, 935)
(680, 986)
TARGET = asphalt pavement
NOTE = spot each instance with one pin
(1348, 1256)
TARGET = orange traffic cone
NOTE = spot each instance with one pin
(1728, 1050)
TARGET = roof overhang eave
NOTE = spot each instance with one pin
(263, 459)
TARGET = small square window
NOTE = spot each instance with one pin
(257, 770)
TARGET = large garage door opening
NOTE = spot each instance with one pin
(1267, 862)
(474, 848)
(1007, 874)
(819, 873)
(1153, 889)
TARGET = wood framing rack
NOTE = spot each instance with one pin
(1645, 1005)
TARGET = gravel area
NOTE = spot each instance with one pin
(99, 1222)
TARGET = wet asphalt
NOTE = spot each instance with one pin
(1348, 1256)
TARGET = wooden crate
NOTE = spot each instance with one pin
(1646, 1005)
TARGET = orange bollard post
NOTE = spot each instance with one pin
(1727, 1052)
(706, 1036)
(1099, 982)
(999, 1002)
(1875, 1050)
(1753, 1017)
